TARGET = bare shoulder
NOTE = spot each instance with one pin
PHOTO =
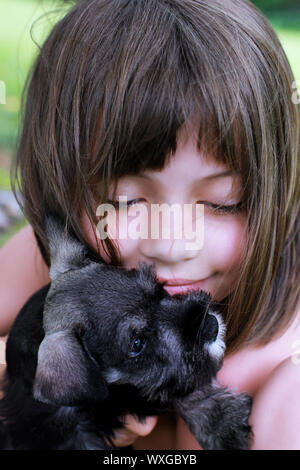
(22, 272)
(20, 252)
(275, 416)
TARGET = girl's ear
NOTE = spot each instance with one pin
(65, 374)
(66, 253)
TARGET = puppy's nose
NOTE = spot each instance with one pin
(210, 329)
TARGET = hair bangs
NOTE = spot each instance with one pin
(175, 85)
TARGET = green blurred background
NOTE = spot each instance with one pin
(25, 24)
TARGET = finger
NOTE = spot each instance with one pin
(133, 429)
(141, 429)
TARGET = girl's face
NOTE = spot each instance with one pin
(188, 178)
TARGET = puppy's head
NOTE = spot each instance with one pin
(105, 325)
(166, 346)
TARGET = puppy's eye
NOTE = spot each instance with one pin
(137, 346)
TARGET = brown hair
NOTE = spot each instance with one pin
(114, 83)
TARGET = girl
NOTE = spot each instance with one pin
(175, 101)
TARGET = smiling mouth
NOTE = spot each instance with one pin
(182, 288)
(179, 281)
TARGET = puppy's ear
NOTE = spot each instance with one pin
(66, 252)
(66, 374)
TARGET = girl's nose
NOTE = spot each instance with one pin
(175, 239)
(164, 251)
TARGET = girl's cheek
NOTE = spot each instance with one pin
(225, 242)
(128, 230)
(118, 229)
(224, 251)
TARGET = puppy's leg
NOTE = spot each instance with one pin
(217, 417)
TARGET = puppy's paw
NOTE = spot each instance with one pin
(233, 431)
(218, 418)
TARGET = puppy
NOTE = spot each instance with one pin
(100, 341)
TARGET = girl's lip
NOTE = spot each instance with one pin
(178, 289)
(178, 281)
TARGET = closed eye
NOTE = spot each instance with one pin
(123, 204)
(223, 209)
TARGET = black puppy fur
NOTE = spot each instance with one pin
(100, 341)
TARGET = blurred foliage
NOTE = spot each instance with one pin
(284, 15)
(272, 5)
(4, 179)
(24, 25)
(4, 237)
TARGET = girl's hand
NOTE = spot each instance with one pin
(133, 429)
